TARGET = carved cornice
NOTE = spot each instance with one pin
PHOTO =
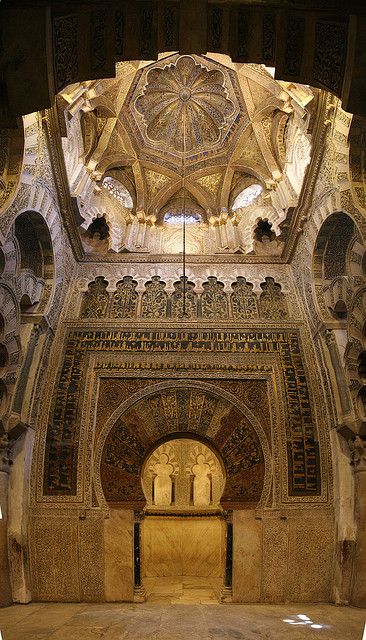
(185, 514)
(300, 216)
(68, 208)
(217, 258)
(358, 454)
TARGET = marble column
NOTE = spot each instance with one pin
(140, 240)
(227, 589)
(338, 370)
(358, 449)
(139, 593)
(37, 330)
(5, 462)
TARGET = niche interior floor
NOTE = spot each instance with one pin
(183, 590)
(153, 621)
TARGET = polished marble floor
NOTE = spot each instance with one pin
(171, 613)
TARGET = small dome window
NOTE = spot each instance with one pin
(118, 191)
(247, 196)
(178, 218)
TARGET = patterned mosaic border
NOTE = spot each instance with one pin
(63, 436)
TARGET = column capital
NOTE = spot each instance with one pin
(139, 516)
(329, 337)
(227, 515)
(358, 453)
(5, 453)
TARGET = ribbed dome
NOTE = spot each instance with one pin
(186, 91)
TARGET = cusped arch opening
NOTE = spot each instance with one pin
(194, 412)
(183, 473)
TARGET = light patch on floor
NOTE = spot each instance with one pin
(302, 620)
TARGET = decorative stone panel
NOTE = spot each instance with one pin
(95, 300)
(124, 299)
(63, 435)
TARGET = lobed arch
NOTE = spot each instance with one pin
(212, 297)
(337, 259)
(185, 435)
(35, 258)
(173, 486)
(237, 430)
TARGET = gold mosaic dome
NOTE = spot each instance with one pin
(186, 97)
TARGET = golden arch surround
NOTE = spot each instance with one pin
(187, 385)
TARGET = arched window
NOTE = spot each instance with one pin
(118, 191)
(190, 217)
(247, 196)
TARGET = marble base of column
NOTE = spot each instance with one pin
(226, 595)
(139, 594)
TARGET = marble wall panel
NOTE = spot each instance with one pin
(311, 559)
(54, 558)
(247, 557)
(5, 588)
(275, 560)
(118, 556)
(183, 546)
(91, 559)
(162, 547)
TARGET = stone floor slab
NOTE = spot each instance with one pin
(191, 621)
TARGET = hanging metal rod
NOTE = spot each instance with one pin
(184, 211)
